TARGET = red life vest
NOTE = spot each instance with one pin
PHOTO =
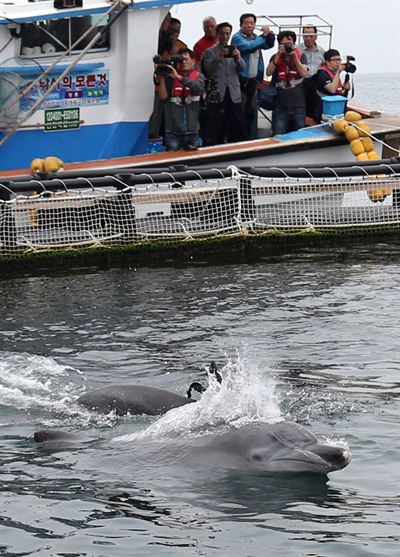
(340, 90)
(287, 70)
(181, 90)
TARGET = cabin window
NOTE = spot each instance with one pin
(47, 38)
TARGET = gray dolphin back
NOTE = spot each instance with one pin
(132, 399)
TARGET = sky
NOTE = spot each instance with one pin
(369, 30)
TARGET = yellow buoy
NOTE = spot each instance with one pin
(357, 147)
(340, 126)
(373, 155)
(379, 195)
(363, 129)
(376, 195)
(351, 133)
(362, 157)
(37, 165)
(52, 164)
(367, 142)
(352, 116)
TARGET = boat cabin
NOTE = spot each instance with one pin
(76, 78)
(76, 82)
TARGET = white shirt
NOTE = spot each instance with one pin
(315, 58)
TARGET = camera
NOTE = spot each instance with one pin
(348, 66)
(288, 48)
(161, 65)
(212, 95)
(230, 48)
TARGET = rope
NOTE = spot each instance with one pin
(196, 386)
(372, 136)
(236, 173)
(338, 118)
(6, 45)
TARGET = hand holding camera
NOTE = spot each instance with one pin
(349, 67)
(285, 50)
(166, 68)
(229, 51)
(172, 72)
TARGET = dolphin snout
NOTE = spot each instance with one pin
(334, 455)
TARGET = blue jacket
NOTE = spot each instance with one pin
(247, 45)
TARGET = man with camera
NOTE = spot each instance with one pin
(223, 63)
(288, 68)
(181, 87)
(328, 76)
(168, 45)
(250, 46)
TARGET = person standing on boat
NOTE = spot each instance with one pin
(289, 68)
(163, 36)
(223, 63)
(315, 58)
(250, 46)
(172, 43)
(207, 41)
(181, 88)
(328, 77)
(168, 45)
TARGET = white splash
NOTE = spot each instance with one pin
(37, 383)
(246, 394)
(340, 443)
(29, 382)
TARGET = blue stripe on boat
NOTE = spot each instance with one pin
(87, 143)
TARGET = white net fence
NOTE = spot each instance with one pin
(117, 214)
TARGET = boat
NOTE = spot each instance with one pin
(75, 85)
(74, 88)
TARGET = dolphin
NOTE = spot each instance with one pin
(50, 435)
(281, 447)
(132, 399)
(140, 399)
(56, 440)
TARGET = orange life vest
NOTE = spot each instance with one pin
(340, 90)
(181, 91)
(287, 71)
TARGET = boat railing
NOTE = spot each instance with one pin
(297, 23)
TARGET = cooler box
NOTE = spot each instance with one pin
(333, 105)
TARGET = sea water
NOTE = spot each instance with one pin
(378, 91)
(309, 334)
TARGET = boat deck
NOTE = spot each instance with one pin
(259, 151)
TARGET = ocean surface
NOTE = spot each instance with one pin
(309, 334)
(379, 91)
